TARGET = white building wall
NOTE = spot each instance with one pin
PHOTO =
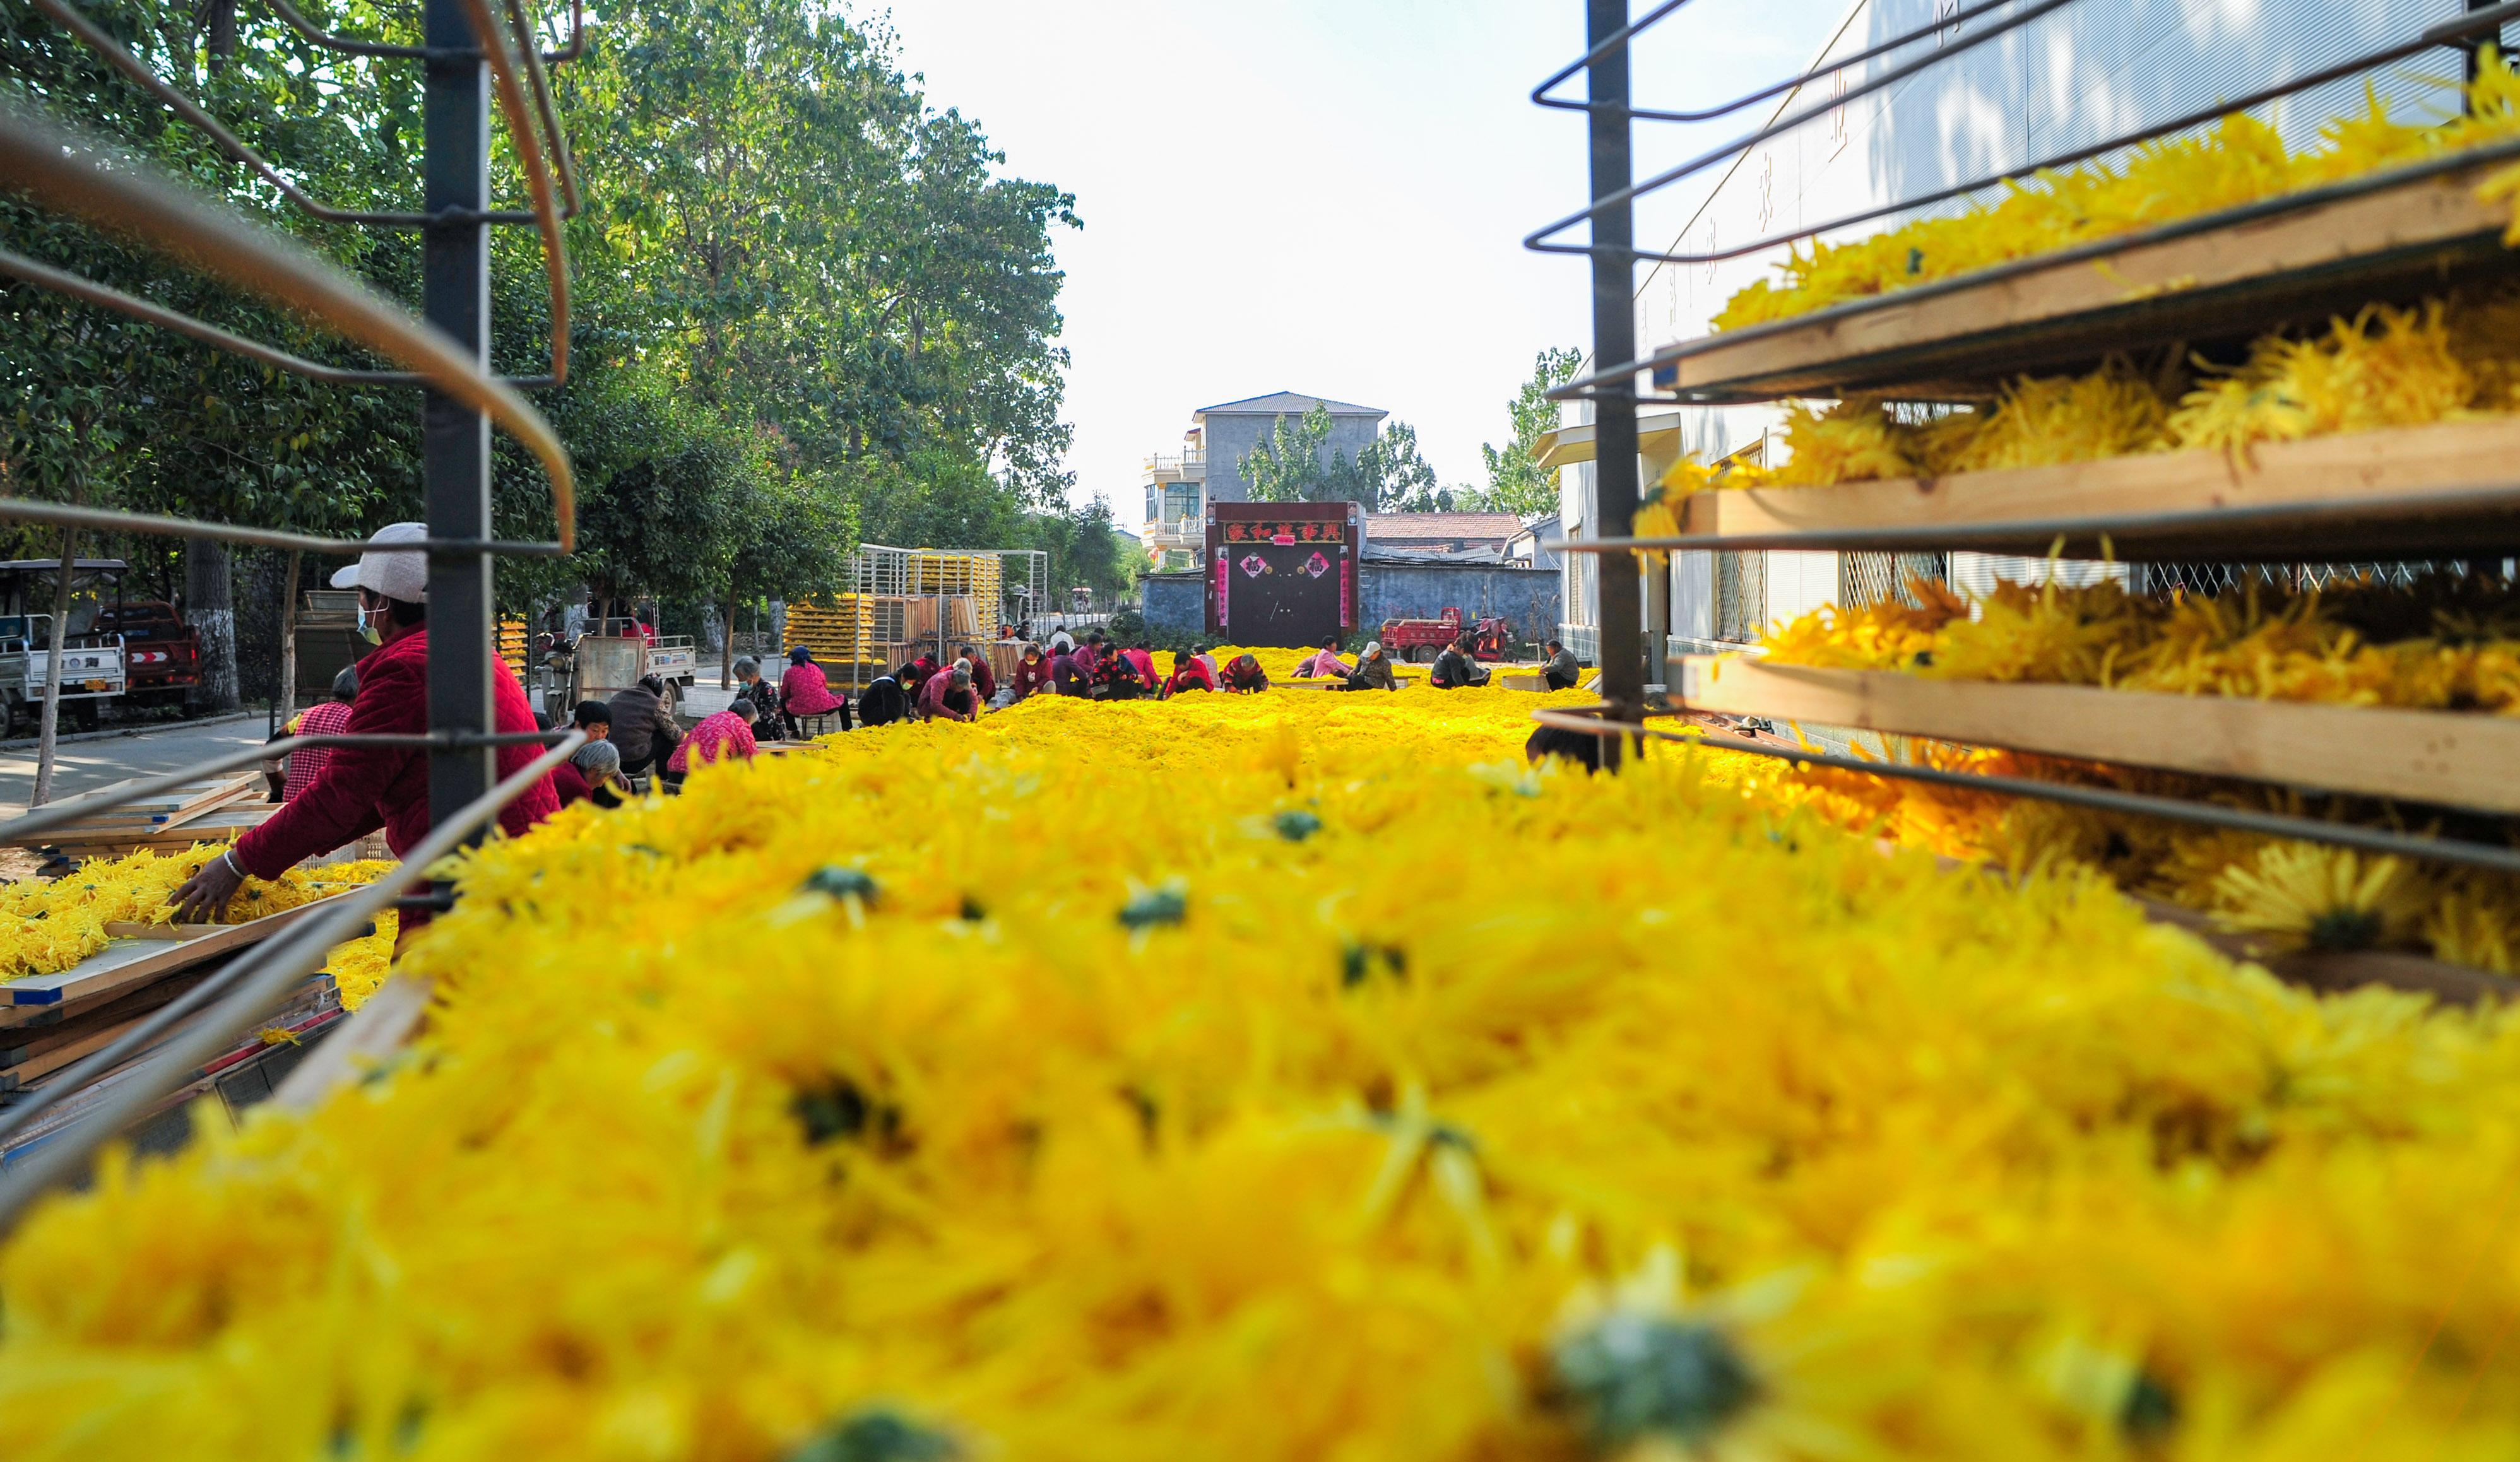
(2074, 77)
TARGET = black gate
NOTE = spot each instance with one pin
(1282, 594)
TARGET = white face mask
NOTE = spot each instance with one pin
(367, 627)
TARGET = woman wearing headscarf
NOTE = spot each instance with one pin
(803, 691)
(1372, 671)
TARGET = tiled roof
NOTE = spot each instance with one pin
(1286, 404)
(1406, 526)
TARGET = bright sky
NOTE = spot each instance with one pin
(1317, 196)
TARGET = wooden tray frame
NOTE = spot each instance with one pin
(2223, 276)
(2453, 486)
(2438, 758)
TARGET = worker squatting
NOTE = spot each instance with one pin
(334, 796)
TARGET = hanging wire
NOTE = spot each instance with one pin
(72, 174)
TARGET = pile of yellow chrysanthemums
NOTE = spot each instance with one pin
(48, 926)
(2446, 645)
(1303, 1076)
(2442, 360)
(2240, 161)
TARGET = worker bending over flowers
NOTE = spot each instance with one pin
(364, 788)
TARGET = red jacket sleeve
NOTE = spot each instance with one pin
(341, 806)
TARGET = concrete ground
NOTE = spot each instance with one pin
(88, 762)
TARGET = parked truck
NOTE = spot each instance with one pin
(162, 654)
(92, 660)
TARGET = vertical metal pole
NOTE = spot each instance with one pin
(1615, 341)
(2475, 48)
(455, 297)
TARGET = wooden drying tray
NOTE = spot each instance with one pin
(145, 818)
(2220, 277)
(2453, 488)
(126, 963)
(2442, 758)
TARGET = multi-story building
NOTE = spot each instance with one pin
(2069, 79)
(1209, 466)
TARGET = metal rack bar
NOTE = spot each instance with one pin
(346, 44)
(64, 172)
(61, 281)
(351, 45)
(1653, 115)
(64, 515)
(2259, 517)
(61, 814)
(539, 85)
(2197, 119)
(1615, 337)
(2098, 248)
(537, 168)
(268, 974)
(121, 60)
(2372, 840)
(1538, 240)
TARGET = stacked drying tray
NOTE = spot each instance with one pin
(2209, 284)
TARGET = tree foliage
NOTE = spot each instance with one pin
(803, 297)
(1298, 465)
(1516, 482)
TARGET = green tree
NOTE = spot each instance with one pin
(802, 292)
(1298, 465)
(1517, 483)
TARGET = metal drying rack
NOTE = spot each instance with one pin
(467, 52)
(1613, 389)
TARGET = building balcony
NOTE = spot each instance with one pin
(1176, 466)
(1173, 533)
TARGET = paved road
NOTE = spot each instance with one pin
(86, 765)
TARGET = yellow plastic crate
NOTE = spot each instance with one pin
(514, 640)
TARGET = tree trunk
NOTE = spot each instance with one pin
(284, 697)
(221, 41)
(48, 732)
(210, 602)
(726, 643)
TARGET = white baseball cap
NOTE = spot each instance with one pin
(400, 576)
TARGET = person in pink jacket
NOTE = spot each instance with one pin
(804, 691)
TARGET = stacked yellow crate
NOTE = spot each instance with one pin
(836, 633)
(975, 575)
(512, 645)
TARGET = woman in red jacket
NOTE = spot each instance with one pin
(363, 788)
(1032, 674)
